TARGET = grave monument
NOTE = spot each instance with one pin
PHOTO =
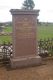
(24, 38)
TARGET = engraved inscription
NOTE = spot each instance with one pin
(24, 29)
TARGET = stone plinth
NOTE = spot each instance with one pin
(24, 38)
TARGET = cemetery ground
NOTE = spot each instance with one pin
(6, 38)
(42, 72)
(44, 32)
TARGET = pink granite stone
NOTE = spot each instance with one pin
(24, 38)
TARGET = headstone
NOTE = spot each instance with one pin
(24, 38)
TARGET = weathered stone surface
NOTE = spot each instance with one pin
(24, 37)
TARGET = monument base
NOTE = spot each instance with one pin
(25, 61)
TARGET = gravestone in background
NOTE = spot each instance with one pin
(24, 38)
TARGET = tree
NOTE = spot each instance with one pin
(28, 5)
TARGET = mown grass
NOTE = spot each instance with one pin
(8, 29)
(44, 32)
(5, 39)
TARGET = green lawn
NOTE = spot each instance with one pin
(44, 32)
(6, 38)
(8, 29)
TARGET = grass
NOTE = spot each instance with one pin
(44, 32)
(8, 29)
(6, 38)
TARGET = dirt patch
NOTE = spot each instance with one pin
(43, 72)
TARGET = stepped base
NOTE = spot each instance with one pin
(26, 61)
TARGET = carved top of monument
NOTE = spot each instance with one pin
(20, 12)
